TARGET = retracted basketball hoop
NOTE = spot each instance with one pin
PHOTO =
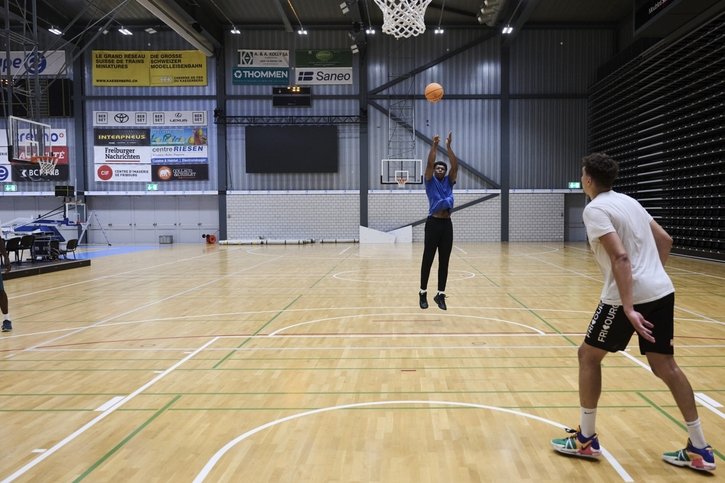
(46, 164)
(403, 18)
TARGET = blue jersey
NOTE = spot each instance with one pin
(440, 194)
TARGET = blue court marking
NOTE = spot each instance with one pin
(91, 252)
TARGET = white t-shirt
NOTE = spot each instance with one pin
(611, 211)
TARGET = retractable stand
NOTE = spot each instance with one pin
(93, 216)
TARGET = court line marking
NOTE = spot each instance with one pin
(707, 405)
(103, 322)
(691, 272)
(109, 404)
(708, 399)
(463, 275)
(209, 466)
(104, 277)
(703, 401)
(59, 445)
(705, 317)
(387, 314)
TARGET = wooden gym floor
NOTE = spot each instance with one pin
(314, 364)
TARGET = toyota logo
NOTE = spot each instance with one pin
(121, 117)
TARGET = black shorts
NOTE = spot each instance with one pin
(611, 330)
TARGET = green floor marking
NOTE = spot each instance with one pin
(126, 440)
(531, 311)
(480, 273)
(676, 421)
(280, 312)
(225, 358)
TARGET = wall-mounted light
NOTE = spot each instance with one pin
(235, 30)
(55, 31)
(125, 31)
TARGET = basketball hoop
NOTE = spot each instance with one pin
(401, 177)
(403, 18)
(46, 164)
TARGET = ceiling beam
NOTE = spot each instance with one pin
(283, 16)
(521, 19)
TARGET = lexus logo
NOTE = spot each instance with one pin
(121, 117)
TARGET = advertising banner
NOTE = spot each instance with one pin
(183, 172)
(21, 63)
(145, 68)
(27, 171)
(123, 172)
(308, 76)
(323, 58)
(149, 118)
(262, 67)
(135, 146)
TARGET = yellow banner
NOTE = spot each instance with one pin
(149, 68)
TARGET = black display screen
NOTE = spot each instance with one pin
(291, 149)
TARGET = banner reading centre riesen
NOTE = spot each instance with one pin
(150, 146)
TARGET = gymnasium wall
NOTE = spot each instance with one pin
(542, 111)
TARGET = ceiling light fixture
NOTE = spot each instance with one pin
(302, 30)
(150, 30)
(235, 30)
(439, 30)
(125, 31)
(55, 31)
(507, 30)
(345, 9)
(370, 31)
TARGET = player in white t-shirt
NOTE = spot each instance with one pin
(631, 249)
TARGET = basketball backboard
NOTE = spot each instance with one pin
(27, 139)
(392, 170)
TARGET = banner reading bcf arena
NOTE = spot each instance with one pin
(150, 146)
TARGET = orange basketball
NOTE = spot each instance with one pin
(434, 92)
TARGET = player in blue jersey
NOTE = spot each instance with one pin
(438, 226)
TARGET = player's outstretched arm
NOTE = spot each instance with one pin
(432, 157)
(453, 173)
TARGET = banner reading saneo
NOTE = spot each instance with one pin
(144, 68)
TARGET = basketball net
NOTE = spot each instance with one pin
(401, 177)
(403, 18)
(46, 164)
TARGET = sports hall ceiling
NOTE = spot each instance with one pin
(79, 18)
